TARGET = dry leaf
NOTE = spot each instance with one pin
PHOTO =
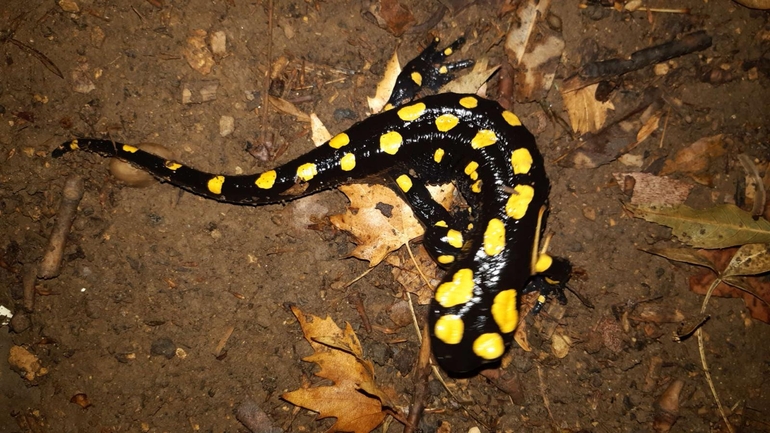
(197, 53)
(650, 126)
(535, 51)
(472, 81)
(379, 220)
(354, 398)
(318, 131)
(755, 291)
(406, 273)
(696, 157)
(716, 227)
(651, 190)
(386, 85)
(287, 107)
(586, 114)
(560, 345)
(391, 15)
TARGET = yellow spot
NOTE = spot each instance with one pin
(445, 122)
(544, 261)
(404, 182)
(489, 346)
(443, 70)
(348, 162)
(519, 201)
(476, 187)
(438, 155)
(411, 112)
(521, 161)
(266, 180)
(446, 259)
(470, 226)
(215, 184)
(74, 145)
(307, 171)
(417, 78)
(456, 292)
(390, 142)
(454, 238)
(494, 237)
(474, 175)
(511, 118)
(387, 107)
(471, 167)
(339, 140)
(469, 102)
(173, 166)
(483, 138)
(441, 223)
(449, 329)
(130, 149)
(448, 51)
(504, 311)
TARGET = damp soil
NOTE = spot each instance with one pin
(171, 311)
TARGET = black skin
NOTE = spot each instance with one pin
(415, 158)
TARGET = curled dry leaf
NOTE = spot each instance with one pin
(81, 399)
(354, 398)
(696, 157)
(560, 345)
(667, 407)
(287, 107)
(586, 114)
(651, 190)
(390, 15)
(197, 53)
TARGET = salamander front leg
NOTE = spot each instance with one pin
(428, 70)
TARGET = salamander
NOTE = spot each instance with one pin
(491, 253)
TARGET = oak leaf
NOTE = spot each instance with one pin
(354, 398)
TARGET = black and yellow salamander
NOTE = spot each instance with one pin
(491, 253)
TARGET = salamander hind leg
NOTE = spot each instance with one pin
(551, 279)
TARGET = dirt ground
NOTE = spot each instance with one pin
(155, 279)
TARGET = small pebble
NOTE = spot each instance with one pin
(20, 322)
(163, 347)
(226, 125)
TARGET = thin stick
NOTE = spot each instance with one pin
(702, 350)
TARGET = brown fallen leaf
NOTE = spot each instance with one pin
(696, 157)
(739, 271)
(535, 51)
(390, 15)
(354, 398)
(731, 265)
(197, 53)
(586, 114)
(407, 274)
(379, 220)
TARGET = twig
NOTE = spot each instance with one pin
(71, 195)
(28, 280)
(421, 378)
(702, 350)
